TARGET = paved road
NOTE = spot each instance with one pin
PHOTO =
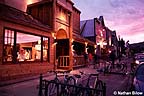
(20, 89)
(28, 88)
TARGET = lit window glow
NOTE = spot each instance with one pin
(32, 1)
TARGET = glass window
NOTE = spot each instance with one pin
(8, 45)
(28, 46)
(45, 49)
(24, 47)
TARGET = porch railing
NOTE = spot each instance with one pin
(63, 61)
(78, 61)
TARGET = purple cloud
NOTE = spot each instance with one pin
(124, 16)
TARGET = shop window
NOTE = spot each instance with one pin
(45, 49)
(19, 47)
(8, 45)
(28, 47)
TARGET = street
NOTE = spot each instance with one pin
(27, 88)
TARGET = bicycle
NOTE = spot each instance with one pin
(79, 91)
(91, 89)
(133, 67)
(97, 86)
(66, 88)
(124, 67)
(52, 86)
(61, 87)
(74, 87)
(49, 87)
(118, 67)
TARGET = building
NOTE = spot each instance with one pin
(94, 30)
(112, 41)
(25, 44)
(46, 37)
(64, 18)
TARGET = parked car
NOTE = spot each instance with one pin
(138, 81)
(139, 58)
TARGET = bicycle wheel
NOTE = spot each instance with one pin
(64, 92)
(79, 90)
(71, 81)
(52, 88)
(124, 70)
(119, 67)
(133, 69)
(98, 89)
(109, 69)
(87, 91)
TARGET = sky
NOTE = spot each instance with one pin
(126, 17)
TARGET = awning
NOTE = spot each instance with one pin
(80, 39)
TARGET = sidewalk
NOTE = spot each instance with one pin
(28, 78)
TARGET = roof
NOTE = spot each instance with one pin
(76, 9)
(14, 15)
(87, 28)
(81, 39)
(102, 20)
(39, 3)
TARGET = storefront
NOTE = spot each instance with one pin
(32, 47)
(25, 44)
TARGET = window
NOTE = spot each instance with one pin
(28, 47)
(8, 45)
(45, 49)
(24, 47)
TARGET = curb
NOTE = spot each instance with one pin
(20, 80)
(10, 82)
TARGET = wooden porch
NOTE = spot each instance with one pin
(63, 62)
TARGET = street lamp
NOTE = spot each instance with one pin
(72, 46)
(101, 44)
(95, 50)
(86, 48)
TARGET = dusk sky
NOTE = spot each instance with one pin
(124, 16)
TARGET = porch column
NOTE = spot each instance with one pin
(53, 34)
(70, 42)
(1, 40)
(54, 15)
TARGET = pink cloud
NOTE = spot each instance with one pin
(124, 16)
